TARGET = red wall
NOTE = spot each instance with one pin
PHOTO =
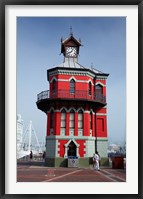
(99, 127)
(81, 147)
(61, 149)
(99, 124)
(66, 85)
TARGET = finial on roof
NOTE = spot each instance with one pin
(91, 65)
(71, 33)
(61, 39)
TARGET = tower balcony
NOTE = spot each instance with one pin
(77, 95)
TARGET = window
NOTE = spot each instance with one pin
(99, 89)
(90, 120)
(72, 119)
(52, 120)
(72, 86)
(63, 119)
(54, 86)
(80, 119)
(89, 88)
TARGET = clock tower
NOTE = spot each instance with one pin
(75, 106)
(70, 48)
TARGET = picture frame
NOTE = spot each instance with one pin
(3, 88)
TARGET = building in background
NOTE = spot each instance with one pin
(75, 107)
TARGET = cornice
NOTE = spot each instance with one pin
(65, 137)
(72, 72)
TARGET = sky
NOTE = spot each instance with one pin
(39, 48)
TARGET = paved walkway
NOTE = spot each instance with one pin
(27, 173)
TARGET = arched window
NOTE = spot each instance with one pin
(63, 118)
(90, 120)
(80, 119)
(54, 86)
(52, 119)
(99, 89)
(72, 118)
(89, 88)
(72, 86)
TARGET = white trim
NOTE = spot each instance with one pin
(86, 111)
(101, 114)
(64, 108)
(62, 131)
(100, 83)
(72, 77)
(53, 78)
(90, 81)
(71, 109)
(57, 148)
(76, 111)
(101, 77)
(66, 137)
(51, 109)
(57, 110)
(80, 109)
(105, 107)
(72, 140)
(80, 132)
(71, 132)
(85, 149)
(70, 72)
(92, 111)
(66, 148)
(76, 80)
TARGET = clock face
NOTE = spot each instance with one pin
(71, 51)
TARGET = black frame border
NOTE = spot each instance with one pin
(3, 3)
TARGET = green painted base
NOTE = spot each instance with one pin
(83, 162)
(56, 162)
(104, 162)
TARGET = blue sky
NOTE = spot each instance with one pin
(38, 49)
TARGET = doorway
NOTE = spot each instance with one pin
(71, 149)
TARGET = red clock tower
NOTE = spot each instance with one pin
(75, 106)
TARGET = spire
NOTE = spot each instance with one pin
(71, 32)
(61, 39)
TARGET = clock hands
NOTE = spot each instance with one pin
(71, 51)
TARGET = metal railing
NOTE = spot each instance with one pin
(27, 158)
(78, 94)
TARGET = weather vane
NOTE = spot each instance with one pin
(71, 32)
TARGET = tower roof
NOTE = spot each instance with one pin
(71, 62)
(70, 41)
(75, 65)
(67, 40)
